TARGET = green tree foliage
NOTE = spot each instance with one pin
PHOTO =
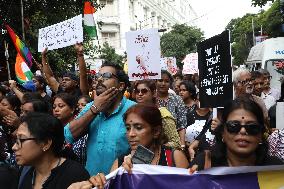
(180, 41)
(261, 3)
(242, 32)
(108, 54)
(39, 14)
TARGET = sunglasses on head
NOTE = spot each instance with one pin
(142, 91)
(235, 127)
(106, 75)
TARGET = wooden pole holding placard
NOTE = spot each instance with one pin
(7, 59)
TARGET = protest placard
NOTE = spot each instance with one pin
(61, 35)
(143, 54)
(169, 64)
(215, 71)
(190, 64)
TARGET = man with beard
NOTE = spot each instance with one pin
(102, 119)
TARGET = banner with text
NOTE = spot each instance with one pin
(169, 64)
(143, 54)
(190, 64)
(61, 35)
(215, 71)
(152, 176)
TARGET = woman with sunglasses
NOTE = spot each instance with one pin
(145, 92)
(38, 147)
(239, 140)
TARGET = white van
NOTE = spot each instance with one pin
(269, 55)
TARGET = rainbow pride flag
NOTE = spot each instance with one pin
(21, 48)
(23, 72)
(152, 177)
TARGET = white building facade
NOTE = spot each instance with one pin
(121, 16)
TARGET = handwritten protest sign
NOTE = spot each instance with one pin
(169, 64)
(215, 71)
(190, 64)
(143, 54)
(61, 35)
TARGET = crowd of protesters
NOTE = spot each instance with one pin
(64, 131)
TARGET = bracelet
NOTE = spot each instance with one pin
(94, 106)
(94, 113)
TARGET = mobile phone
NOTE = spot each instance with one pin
(142, 155)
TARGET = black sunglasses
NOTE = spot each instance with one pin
(234, 127)
(142, 91)
(106, 75)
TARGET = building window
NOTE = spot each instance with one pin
(109, 8)
(108, 35)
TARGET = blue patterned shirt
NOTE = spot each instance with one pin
(106, 138)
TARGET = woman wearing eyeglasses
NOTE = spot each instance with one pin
(38, 147)
(239, 140)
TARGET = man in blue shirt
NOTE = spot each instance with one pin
(102, 119)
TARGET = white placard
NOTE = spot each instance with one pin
(143, 54)
(190, 64)
(280, 115)
(61, 35)
(169, 64)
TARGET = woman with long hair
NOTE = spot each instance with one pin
(240, 139)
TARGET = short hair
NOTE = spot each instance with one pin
(238, 72)
(67, 98)
(120, 73)
(168, 74)
(150, 114)
(86, 97)
(46, 127)
(256, 74)
(39, 105)
(14, 102)
(190, 87)
(41, 81)
(29, 96)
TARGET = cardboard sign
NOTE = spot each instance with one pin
(61, 35)
(190, 64)
(143, 54)
(169, 64)
(215, 71)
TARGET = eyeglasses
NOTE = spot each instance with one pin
(234, 127)
(106, 75)
(20, 141)
(244, 82)
(142, 91)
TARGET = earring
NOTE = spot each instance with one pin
(223, 140)
(44, 149)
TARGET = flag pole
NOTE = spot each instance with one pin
(7, 59)
(22, 18)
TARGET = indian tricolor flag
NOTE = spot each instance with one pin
(89, 22)
(23, 72)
